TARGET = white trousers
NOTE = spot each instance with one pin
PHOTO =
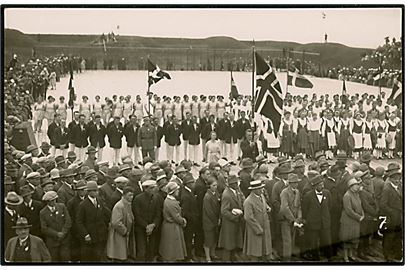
(99, 154)
(157, 153)
(223, 148)
(204, 142)
(232, 151)
(193, 152)
(185, 144)
(80, 153)
(116, 156)
(135, 154)
(170, 152)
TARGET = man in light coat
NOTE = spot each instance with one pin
(290, 212)
(257, 244)
(232, 229)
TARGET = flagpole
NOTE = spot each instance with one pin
(287, 55)
(253, 84)
(147, 73)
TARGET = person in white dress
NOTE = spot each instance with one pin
(158, 110)
(367, 129)
(186, 106)
(357, 132)
(85, 109)
(107, 111)
(97, 106)
(195, 108)
(138, 108)
(62, 108)
(127, 109)
(39, 113)
(203, 106)
(221, 107)
(167, 108)
(381, 126)
(177, 107)
(212, 106)
(392, 132)
(50, 109)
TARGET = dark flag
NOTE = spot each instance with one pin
(234, 90)
(345, 99)
(155, 73)
(268, 96)
(299, 80)
(71, 91)
(396, 94)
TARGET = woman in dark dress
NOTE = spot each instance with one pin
(302, 133)
(286, 135)
(344, 133)
(211, 218)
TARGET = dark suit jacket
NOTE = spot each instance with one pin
(8, 222)
(391, 205)
(32, 215)
(185, 129)
(97, 136)
(188, 202)
(221, 128)
(315, 214)
(230, 132)
(146, 210)
(93, 220)
(115, 134)
(131, 134)
(105, 193)
(65, 193)
(249, 151)
(241, 127)
(70, 131)
(194, 134)
(207, 129)
(57, 135)
(72, 206)
(52, 223)
(200, 188)
(275, 197)
(203, 122)
(245, 178)
(39, 252)
(172, 136)
(336, 202)
(115, 197)
(159, 135)
(80, 136)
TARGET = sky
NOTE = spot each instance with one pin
(356, 27)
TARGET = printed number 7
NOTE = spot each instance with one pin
(382, 223)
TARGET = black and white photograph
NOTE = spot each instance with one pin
(202, 135)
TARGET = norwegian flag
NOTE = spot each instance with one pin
(396, 94)
(268, 97)
(155, 73)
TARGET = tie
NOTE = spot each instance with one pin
(52, 209)
(319, 193)
(95, 203)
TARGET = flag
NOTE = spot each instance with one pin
(71, 91)
(155, 73)
(105, 48)
(345, 99)
(268, 96)
(234, 90)
(396, 94)
(298, 80)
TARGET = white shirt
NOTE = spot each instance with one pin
(319, 195)
(314, 125)
(234, 191)
(93, 200)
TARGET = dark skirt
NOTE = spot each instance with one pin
(315, 140)
(287, 142)
(211, 238)
(302, 139)
(399, 142)
(342, 142)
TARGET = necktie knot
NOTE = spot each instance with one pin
(319, 193)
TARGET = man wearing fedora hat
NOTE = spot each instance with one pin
(108, 188)
(33, 180)
(316, 214)
(45, 147)
(12, 201)
(66, 191)
(247, 167)
(290, 215)
(92, 221)
(232, 228)
(148, 215)
(392, 208)
(257, 241)
(30, 209)
(25, 247)
(25, 168)
(278, 187)
(55, 227)
(71, 158)
(120, 183)
(72, 206)
(91, 157)
(366, 158)
(188, 202)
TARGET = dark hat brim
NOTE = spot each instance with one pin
(21, 226)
